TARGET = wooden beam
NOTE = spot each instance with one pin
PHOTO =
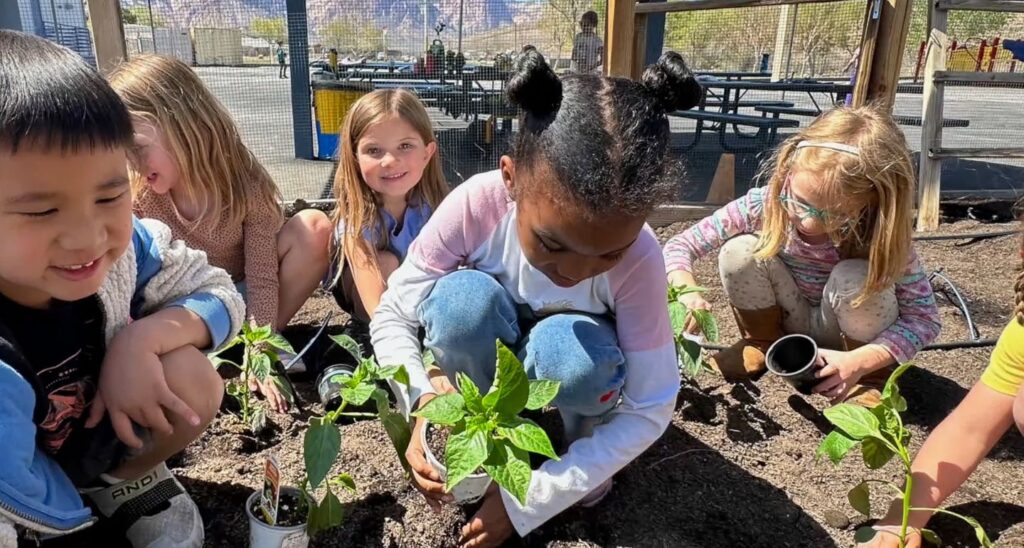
(619, 39)
(982, 5)
(887, 58)
(639, 46)
(868, 41)
(930, 169)
(977, 152)
(696, 5)
(783, 42)
(667, 214)
(107, 33)
(980, 77)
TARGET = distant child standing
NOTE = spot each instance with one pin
(551, 254)
(824, 250)
(103, 318)
(587, 47)
(388, 183)
(282, 67)
(191, 171)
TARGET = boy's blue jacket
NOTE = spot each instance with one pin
(153, 273)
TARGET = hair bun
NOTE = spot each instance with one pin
(533, 86)
(672, 83)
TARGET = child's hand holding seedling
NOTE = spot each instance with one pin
(132, 386)
(693, 299)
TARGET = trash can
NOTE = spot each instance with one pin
(331, 101)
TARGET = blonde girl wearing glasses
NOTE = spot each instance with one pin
(824, 249)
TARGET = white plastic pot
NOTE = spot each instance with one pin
(466, 491)
(262, 535)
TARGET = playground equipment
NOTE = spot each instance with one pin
(995, 55)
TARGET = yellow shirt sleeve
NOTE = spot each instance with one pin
(1005, 372)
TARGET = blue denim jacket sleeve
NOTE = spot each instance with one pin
(149, 261)
(34, 491)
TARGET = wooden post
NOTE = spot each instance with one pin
(930, 170)
(878, 83)
(723, 185)
(639, 46)
(619, 40)
(107, 33)
(783, 42)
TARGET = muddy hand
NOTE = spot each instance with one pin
(424, 478)
(269, 389)
(490, 526)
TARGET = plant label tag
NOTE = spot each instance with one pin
(271, 495)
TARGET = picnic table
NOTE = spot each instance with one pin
(729, 98)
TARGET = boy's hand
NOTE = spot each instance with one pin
(490, 526)
(887, 536)
(839, 373)
(133, 388)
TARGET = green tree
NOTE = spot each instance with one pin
(352, 35)
(139, 15)
(273, 29)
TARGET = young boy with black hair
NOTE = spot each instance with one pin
(103, 319)
(587, 47)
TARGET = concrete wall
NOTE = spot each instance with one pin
(169, 41)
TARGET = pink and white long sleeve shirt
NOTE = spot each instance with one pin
(475, 227)
(918, 323)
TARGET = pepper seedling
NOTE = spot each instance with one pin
(881, 435)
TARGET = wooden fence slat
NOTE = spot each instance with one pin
(930, 169)
(976, 153)
(982, 5)
(107, 33)
(696, 5)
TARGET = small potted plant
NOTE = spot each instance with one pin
(322, 446)
(277, 515)
(881, 435)
(483, 436)
(260, 357)
(691, 359)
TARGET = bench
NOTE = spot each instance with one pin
(767, 128)
(790, 110)
(916, 121)
(746, 103)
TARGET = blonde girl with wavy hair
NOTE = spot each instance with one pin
(962, 440)
(191, 170)
(823, 249)
(389, 181)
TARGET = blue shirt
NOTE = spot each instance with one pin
(401, 237)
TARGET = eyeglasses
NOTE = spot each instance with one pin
(805, 211)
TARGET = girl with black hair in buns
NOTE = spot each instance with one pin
(550, 254)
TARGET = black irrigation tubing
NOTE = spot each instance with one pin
(952, 345)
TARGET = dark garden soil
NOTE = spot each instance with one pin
(437, 438)
(291, 510)
(736, 467)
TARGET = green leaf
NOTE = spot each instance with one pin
(707, 324)
(860, 498)
(324, 516)
(349, 345)
(233, 389)
(855, 421)
(359, 394)
(888, 421)
(258, 419)
(444, 410)
(428, 358)
(979, 531)
(261, 333)
(396, 426)
(260, 366)
(528, 436)
(929, 536)
(864, 534)
(689, 356)
(890, 383)
(676, 291)
(875, 452)
(541, 393)
(677, 316)
(509, 467)
(470, 393)
(395, 372)
(218, 362)
(279, 342)
(464, 454)
(320, 449)
(345, 481)
(513, 389)
(835, 446)
(284, 385)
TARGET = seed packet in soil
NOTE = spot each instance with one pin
(271, 495)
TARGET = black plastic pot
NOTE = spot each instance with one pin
(794, 358)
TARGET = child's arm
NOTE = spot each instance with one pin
(370, 274)
(741, 216)
(259, 235)
(918, 323)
